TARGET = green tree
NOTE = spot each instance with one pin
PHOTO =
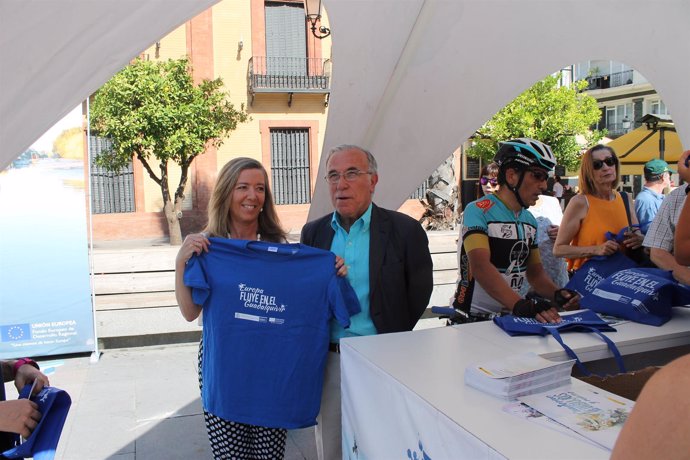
(153, 111)
(69, 144)
(553, 114)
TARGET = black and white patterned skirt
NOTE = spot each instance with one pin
(240, 441)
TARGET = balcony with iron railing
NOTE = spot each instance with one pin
(289, 75)
(610, 80)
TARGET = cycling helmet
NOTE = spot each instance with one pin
(527, 152)
(523, 153)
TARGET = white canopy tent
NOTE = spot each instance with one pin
(412, 78)
(55, 53)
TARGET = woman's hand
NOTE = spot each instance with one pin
(195, 243)
(606, 249)
(340, 267)
(633, 240)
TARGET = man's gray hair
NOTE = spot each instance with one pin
(373, 167)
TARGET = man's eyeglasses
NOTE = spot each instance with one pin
(350, 176)
(539, 174)
(488, 180)
(609, 161)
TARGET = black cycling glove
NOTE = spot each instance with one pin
(560, 299)
(529, 308)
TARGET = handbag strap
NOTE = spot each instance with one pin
(624, 195)
(612, 346)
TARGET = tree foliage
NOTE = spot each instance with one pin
(152, 110)
(69, 144)
(553, 114)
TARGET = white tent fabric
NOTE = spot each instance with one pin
(55, 53)
(412, 79)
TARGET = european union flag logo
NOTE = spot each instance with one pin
(15, 332)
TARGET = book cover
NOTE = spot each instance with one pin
(592, 412)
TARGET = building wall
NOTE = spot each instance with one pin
(212, 40)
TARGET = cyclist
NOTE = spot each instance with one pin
(499, 250)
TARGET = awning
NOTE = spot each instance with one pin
(640, 145)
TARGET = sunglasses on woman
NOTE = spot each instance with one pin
(488, 180)
(609, 161)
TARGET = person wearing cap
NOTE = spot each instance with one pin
(499, 251)
(657, 176)
(19, 416)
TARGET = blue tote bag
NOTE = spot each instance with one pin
(596, 270)
(582, 321)
(54, 405)
(642, 295)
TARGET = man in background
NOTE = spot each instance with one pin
(660, 234)
(657, 176)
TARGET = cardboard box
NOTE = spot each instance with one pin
(628, 385)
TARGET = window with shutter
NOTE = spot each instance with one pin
(290, 169)
(111, 191)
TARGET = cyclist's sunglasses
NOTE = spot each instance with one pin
(488, 180)
(609, 161)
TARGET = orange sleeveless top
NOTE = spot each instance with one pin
(602, 216)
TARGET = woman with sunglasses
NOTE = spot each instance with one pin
(598, 209)
(487, 185)
(488, 181)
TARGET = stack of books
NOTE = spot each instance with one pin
(518, 375)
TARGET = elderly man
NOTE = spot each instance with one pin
(389, 267)
(659, 236)
(657, 176)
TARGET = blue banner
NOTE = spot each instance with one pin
(45, 289)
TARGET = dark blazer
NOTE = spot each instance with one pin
(400, 267)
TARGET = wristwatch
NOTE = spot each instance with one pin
(21, 361)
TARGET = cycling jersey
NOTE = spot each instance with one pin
(511, 241)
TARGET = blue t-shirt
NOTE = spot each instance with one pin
(647, 204)
(266, 309)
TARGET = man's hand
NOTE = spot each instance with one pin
(19, 416)
(567, 299)
(541, 310)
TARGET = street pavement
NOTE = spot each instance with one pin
(140, 403)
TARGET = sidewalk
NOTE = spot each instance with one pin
(140, 403)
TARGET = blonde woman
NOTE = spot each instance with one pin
(597, 209)
(241, 208)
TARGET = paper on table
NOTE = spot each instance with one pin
(517, 365)
(592, 412)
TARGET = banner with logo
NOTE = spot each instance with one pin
(45, 293)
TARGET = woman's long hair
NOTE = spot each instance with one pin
(586, 179)
(219, 205)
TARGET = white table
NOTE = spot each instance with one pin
(404, 394)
